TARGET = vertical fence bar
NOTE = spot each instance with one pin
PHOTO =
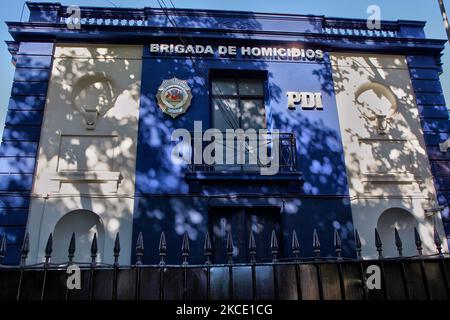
(358, 247)
(162, 256)
(316, 247)
(48, 254)
(399, 245)
(71, 255)
(23, 258)
(2, 249)
(274, 250)
(438, 243)
(116, 266)
(419, 248)
(230, 249)
(207, 248)
(296, 255)
(139, 255)
(94, 251)
(338, 249)
(252, 251)
(185, 254)
(379, 246)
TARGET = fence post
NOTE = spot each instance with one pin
(94, 250)
(316, 247)
(72, 248)
(116, 265)
(139, 255)
(274, 250)
(230, 249)
(379, 246)
(207, 248)
(399, 245)
(23, 258)
(2, 249)
(185, 254)
(359, 257)
(295, 246)
(48, 254)
(438, 243)
(162, 254)
(252, 250)
(338, 248)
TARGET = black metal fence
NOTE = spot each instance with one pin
(315, 278)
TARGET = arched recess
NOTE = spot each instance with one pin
(377, 103)
(405, 222)
(93, 95)
(85, 224)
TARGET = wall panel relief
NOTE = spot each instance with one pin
(93, 95)
(87, 154)
(385, 154)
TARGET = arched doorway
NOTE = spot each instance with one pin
(85, 224)
(405, 222)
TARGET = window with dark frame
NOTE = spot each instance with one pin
(238, 103)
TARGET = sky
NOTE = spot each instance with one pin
(424, 10)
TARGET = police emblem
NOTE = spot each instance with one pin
(174, 97)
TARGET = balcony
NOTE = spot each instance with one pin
(268, 162)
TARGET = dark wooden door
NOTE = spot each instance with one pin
(239, 221)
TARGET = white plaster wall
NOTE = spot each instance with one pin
(82, 166)
(387, 164)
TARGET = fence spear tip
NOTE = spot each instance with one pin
(94, 245)
(398, 242)
(316, 241)
(140, 243)
(378, 242)
(252, 242)
(295, 244)
(49, 246)
(437, 240)
(26, 244)
(117, 244)
(398, 239)
(162, 243)
(274, 241)
(3, 245)
(185, 243)
(337, 239)
(230, 247)
(72, 244)
(207, 247)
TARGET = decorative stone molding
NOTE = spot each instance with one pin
(379, 114)
(93, 95)
(87, 177)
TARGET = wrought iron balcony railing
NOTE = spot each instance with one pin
(245, 155)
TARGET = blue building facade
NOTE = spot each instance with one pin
(283, 54)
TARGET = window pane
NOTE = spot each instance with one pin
(253, 87)
(224, 87)
(253, 114)
(226, 114)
